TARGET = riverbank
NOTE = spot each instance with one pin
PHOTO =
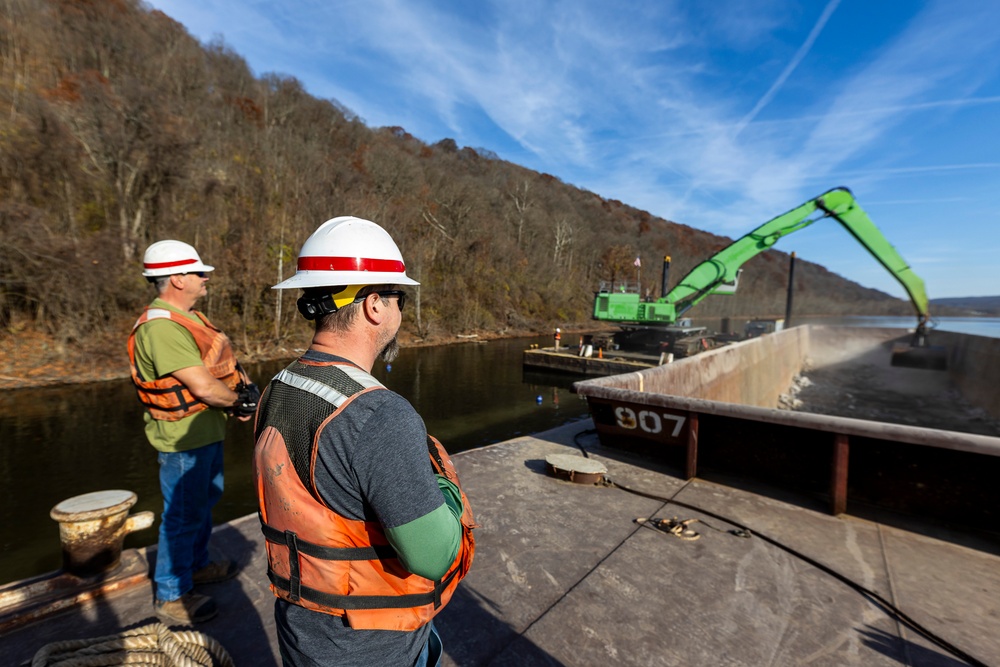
(39, 360)
(30, 359)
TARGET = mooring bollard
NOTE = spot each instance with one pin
(92, 528)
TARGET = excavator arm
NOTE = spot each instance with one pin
(719, 273)
(839, 204)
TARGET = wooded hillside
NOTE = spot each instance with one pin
(118, 129)
(972, 305)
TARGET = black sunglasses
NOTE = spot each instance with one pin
(200, 274)
(385, 294)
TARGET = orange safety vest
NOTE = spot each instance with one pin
(166, 398)
(321, 560)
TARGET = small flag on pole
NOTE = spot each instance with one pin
(637, 262)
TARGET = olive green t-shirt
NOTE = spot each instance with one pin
(162, 347)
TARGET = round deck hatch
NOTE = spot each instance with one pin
(577, 469)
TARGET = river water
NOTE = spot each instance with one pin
(60, 442)
(978, 326)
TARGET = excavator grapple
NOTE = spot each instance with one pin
(929, 357)
(918, 353)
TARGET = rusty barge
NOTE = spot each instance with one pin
(905, 439)
(572, 573)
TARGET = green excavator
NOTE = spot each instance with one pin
(645, 320)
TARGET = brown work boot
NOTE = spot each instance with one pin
(217, 570)
(188, 608)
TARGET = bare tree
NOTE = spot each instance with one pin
(518, 196)
(563, 241)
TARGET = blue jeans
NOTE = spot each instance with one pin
(433, 650)
(191, 483)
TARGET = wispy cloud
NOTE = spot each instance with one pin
(862, 109)
(648, 102)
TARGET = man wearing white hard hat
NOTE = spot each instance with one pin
(188, 379)
(367, 529)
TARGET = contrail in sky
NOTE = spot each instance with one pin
(796, 59)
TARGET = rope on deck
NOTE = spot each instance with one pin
(153, 645)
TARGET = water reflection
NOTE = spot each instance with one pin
(60, 442)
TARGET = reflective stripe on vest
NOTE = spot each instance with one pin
(327, 393)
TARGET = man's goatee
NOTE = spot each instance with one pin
(390, 351)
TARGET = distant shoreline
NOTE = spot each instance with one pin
(30, 361)
(34, 361)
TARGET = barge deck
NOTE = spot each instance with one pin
(564, 575)
(569, 360)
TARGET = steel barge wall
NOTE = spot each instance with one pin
(718, 413)
(974, 363)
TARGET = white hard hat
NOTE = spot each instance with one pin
(165, 258)
(348, 251)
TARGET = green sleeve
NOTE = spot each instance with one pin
(427, 546)
(452, 496)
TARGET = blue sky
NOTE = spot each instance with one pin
(719, 114)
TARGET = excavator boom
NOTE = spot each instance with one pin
(719, 274)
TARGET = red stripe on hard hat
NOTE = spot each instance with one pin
(167, 265)
(350, 264)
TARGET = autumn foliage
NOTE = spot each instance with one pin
(117, 129)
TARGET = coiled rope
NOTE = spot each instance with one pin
(153, 645)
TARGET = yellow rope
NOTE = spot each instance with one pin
(153, 645)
